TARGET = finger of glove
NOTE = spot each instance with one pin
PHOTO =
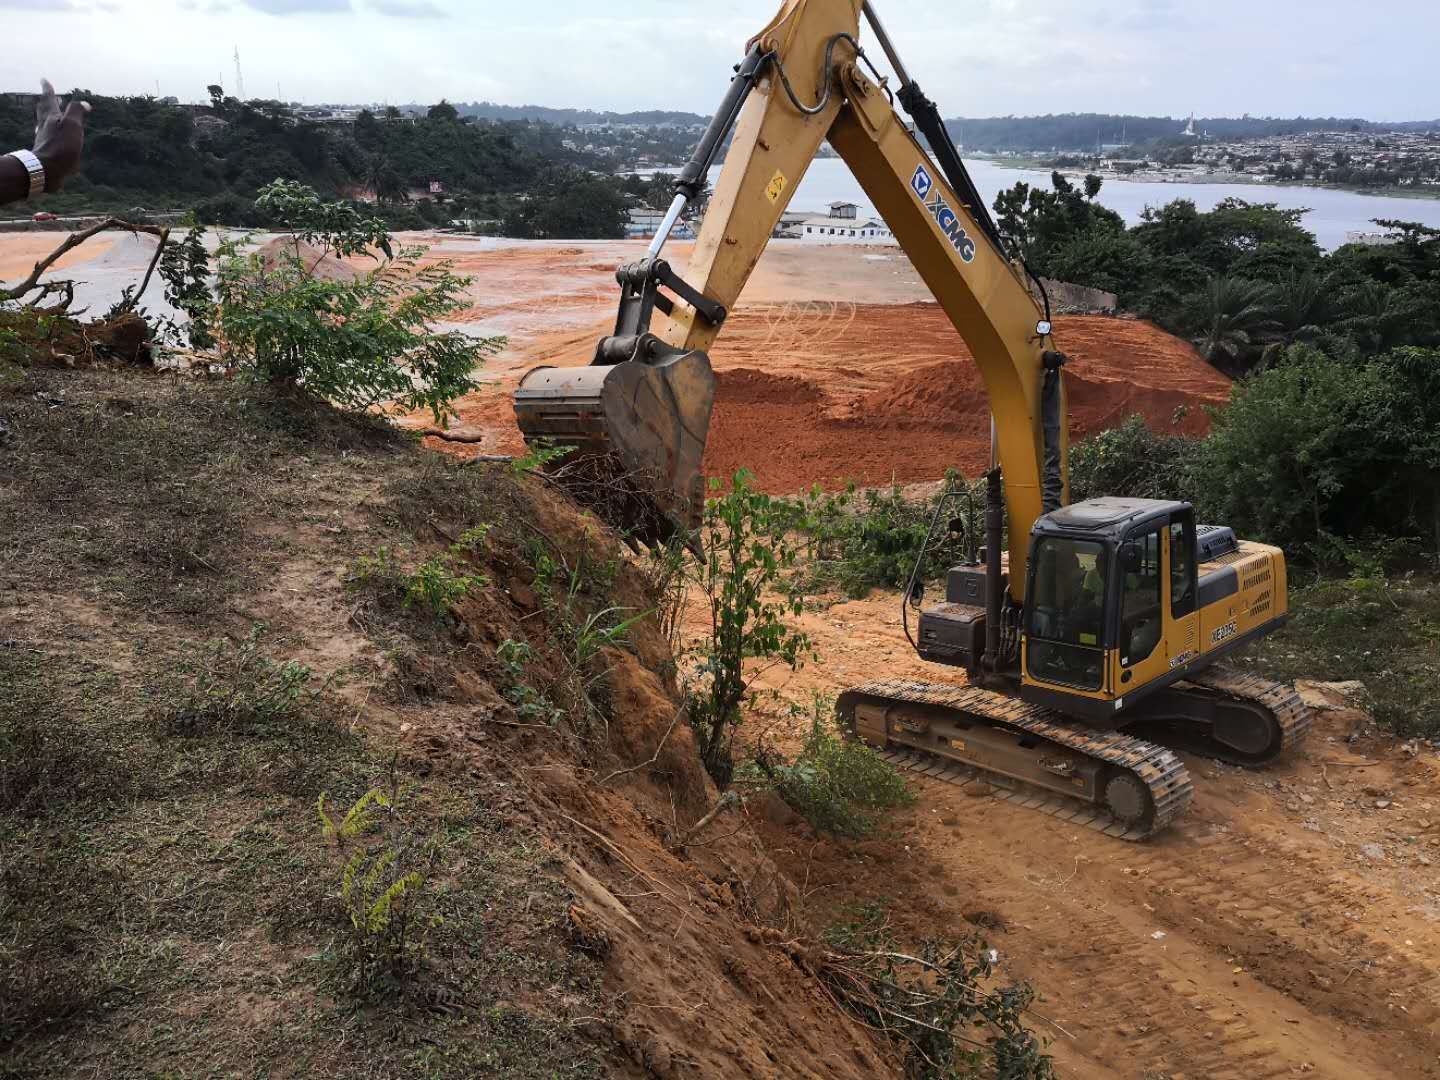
(76, 112)
(47, 105)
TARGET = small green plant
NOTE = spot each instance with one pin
(530, 704)
(539, 455)
(835, 783)
(436, 585)
(234, 688)
(384, 906)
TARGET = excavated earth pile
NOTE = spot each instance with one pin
(826, 393)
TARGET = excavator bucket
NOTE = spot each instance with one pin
(639, 431)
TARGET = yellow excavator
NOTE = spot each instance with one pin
(1099, 628)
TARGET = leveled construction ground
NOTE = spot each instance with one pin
(868, 384)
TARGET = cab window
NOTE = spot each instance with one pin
(1182, 566)
(1140, 615)
(1066, 632)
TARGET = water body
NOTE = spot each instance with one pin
(1332, 213)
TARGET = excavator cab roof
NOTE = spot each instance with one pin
(1106, 518)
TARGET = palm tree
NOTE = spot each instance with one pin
(1304, 303)
(1231, 315)
(1378, 316)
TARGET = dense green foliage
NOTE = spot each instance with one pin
(215, 159)
(1243, 280)
(858, 540)
(836, 783)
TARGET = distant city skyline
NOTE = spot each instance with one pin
(989, 58)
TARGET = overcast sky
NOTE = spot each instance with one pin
(976, 57)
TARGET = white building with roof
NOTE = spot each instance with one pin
(842, 225)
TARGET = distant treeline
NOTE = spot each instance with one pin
(1081, 131)
(213, 160)
(488, 110)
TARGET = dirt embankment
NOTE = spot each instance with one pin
(825, 393)
(873, 393)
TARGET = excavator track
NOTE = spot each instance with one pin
(1162, 775)
(1283, 718)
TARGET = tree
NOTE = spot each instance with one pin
(1302, 305)
(383, 179)
(569, 204)
(1229, 316)
(442, 111)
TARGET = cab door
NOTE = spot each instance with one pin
(1140, 654)
(1182, 631)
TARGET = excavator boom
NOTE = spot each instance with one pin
(805, 78)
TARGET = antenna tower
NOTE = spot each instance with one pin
(239, 79)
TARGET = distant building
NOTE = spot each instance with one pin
(1190, 132)
(644, 223)
(841, 225)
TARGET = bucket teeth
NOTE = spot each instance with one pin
(639, 432)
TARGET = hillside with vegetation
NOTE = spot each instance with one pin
(516, 175)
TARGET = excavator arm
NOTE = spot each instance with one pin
(806, 78)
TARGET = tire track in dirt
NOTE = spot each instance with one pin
(1282, 910)
(1248, 923)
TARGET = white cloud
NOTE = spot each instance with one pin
(1002, 56)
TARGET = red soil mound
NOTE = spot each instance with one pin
(831, 392)
(912, 422)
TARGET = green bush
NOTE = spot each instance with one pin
(358, 342)
(931, 1001)
(1317, 446)
(1131, 461)
(858, 541)
(746, 583)
(837, 784)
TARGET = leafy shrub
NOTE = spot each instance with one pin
(746, 582)
(859, 541)
(530, 704)
(922, 999)
(837, 784)
(1316, 445)
(355, 342)
(436, 585)
(1131, 461)
(234, 688)
(385, 906)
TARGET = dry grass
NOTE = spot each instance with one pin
(170, 904)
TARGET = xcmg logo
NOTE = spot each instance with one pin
(923, 185)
